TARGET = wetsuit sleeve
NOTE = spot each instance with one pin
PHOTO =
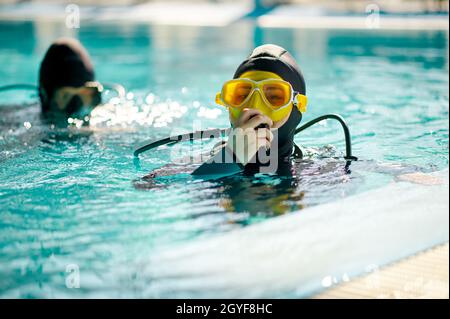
(223, 163)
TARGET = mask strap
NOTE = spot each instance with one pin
(300, 102)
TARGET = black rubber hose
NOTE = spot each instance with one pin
(18, 87)
(215, 132)
(348, 142)
(182, 137)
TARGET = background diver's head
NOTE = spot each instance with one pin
(67, 80)
(272, 61)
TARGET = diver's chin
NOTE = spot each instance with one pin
(277, 124)
(280, 123)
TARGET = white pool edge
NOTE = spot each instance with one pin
(301, 254)
(220, 15)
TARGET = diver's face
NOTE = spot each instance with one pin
(70, 99)
(256, 101)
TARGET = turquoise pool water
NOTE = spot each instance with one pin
(69, 197)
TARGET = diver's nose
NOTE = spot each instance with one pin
(256, 102)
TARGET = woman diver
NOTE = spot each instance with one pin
(68, 93)
(265, 100)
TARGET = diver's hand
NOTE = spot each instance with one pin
(249, 134)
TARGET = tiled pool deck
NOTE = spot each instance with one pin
(424, 275)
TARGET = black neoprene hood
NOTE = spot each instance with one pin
(66, 63)
(275, 59)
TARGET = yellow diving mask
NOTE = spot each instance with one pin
(275, 97)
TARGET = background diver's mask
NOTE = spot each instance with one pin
(82, 101)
